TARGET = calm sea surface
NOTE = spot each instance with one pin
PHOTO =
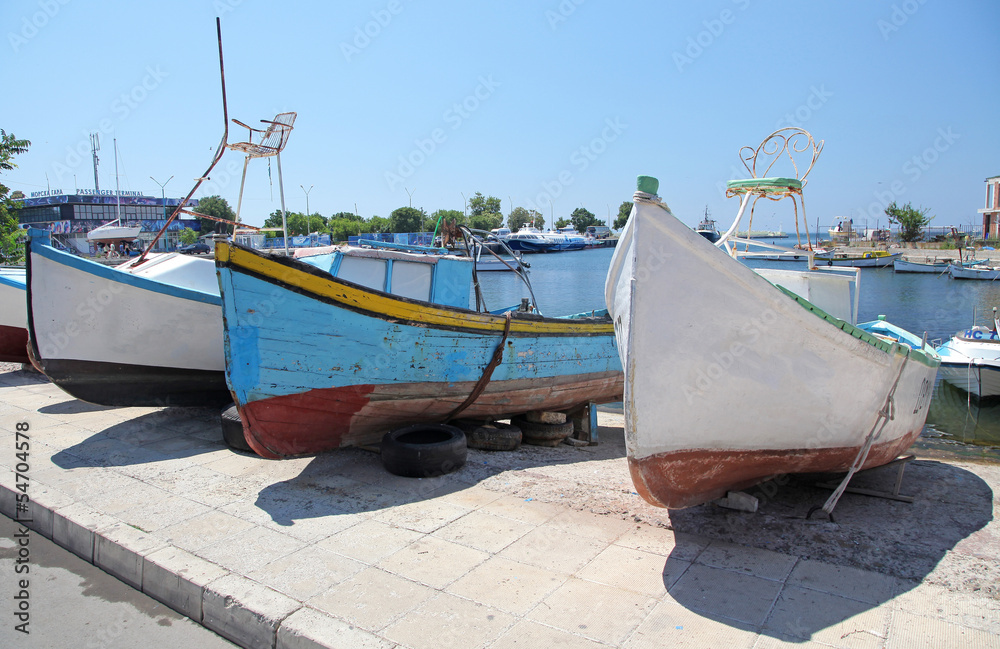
(573, 282)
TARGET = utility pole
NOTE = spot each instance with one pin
(163, 195)
(95, 146)
(465, 204)
(410, 194)
(308, 220)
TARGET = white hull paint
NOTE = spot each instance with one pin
(974, 272)
(858, 262)
(13, 305)
(728, 380)
(972, 363)
(81, 315)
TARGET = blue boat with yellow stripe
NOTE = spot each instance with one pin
(336, 349)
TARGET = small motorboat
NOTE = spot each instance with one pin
(970, 360)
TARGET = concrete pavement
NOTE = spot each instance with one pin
(332, 551)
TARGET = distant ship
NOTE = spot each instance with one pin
(707, 228)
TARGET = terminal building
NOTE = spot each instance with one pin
(69, 217)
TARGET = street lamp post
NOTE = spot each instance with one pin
(308, 220)
(163, 194)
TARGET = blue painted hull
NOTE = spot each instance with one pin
(316, 363)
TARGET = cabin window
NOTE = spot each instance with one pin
(363, 271)
(412, 280)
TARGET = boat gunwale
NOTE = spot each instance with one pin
(410, 311)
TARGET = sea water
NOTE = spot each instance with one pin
(567, 283)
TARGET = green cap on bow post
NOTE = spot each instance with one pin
(647, 184)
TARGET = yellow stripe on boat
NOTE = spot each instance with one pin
(387, 306)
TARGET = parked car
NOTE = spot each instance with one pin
(198, 248)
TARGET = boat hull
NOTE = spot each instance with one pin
(117, 338)
(776, 363)
(959, 272)
(858, 262)
(13, 317)
(971, 362)
(316, 363)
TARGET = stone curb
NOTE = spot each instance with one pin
(242, 611)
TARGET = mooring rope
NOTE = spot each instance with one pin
(487, 372)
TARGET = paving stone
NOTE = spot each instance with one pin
(602, 613)
(726, 594)
(635, 570)
(119, 550)
(672, 625)
(372, 599)
(659, 540)
(470, 497)
(178, 579)
(129, 494)
(244, 611)
(812, 615)
(553, 549)
(422, 516)
(446, 622)
(433, 561)
(370, 541)
(43, 501)
(750, 561)
(306, 572)
(915, 632)
(305, 521)
(519, 509)
(930, 600)
(203, 530)
(73, 528)
(308, 628)
(601, 528)
(163, 513)
(531, 634)
(484, 531)
(246, 551)
(863, 585)
(508, 585)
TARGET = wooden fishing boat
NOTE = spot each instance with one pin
(970, 360)
(937, 265)
(337, 351)
(870, 259)
(13, 316)
(801, 390)
(978, 271)
(145, 334)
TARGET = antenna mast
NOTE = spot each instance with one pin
(95, 146)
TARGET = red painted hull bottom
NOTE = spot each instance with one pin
(329, 418)
(687, 478)
(14, 344)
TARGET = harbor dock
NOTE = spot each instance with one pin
(536, 547)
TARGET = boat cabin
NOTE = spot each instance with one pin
(399, 270)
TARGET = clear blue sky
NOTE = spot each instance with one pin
(520, 100)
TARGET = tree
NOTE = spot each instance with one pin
(454, 216)
(406, 219)
(342, 228)
(376, 224)
(562, 223)
(479, 205)
(486, 221)
(350, 216)
(214, 206)
(519, 217)
(910, 220)
(582, 218)
(11, 234)
(188, 236)
(296, 222)
(624, 210)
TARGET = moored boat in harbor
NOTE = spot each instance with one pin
(868, 259)
(13, 316)
(970, 360)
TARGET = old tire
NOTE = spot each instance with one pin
(424, 450)
(542, 434)
(232, 430)
(494, 437)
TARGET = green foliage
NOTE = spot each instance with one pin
(582, 218)
(451, 215)
(342, 228)
(406, 219)
(562, 223)
(910, 220)
(486, 221)
(297, 222)
(519, 217)
(218, 207)
(188, 236)
(480, 205)
(11, 235)
(624, 210)
(377, 224)
(350, 216)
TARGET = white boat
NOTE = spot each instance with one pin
(870, 259)
(13, 316)
(731, 379)
(707, 228)
(970, 360)
(114, 231)
(146, 334)
(843, 230)
(979, 271)
(938, 265)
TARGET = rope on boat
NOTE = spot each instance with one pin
(885, 415)
(487, 373)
